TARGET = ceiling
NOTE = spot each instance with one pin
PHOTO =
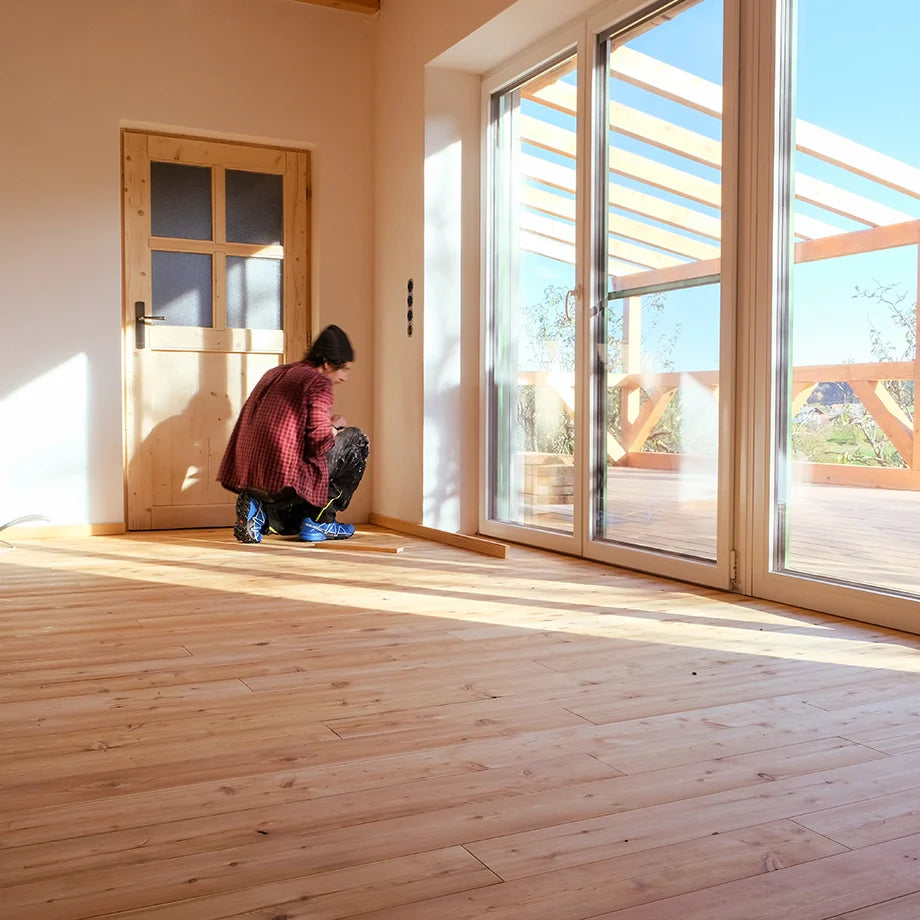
(353, 6)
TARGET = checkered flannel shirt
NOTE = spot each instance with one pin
(283, 435)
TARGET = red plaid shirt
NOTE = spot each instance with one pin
(282, 436)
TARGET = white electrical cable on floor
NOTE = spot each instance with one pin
(5, 547)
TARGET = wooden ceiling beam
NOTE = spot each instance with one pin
(353, 6)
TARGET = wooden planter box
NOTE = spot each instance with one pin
(548, 479)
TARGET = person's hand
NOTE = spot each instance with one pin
(338, 423)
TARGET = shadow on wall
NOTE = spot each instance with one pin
(186, 449)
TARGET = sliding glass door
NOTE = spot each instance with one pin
(657, 331)
(533, 438)
(845, 456)
(605, 432)
(701, 306)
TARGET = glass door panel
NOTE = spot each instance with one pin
(180, 201)
(255, 207)
(846, 473)
(662, 422)
(254, 293)
(658, 343)
(531, 432)
(181, 288)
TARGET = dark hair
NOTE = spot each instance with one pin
(330, 347)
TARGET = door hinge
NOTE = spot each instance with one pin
(733, 568)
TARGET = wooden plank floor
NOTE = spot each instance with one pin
(193, 729)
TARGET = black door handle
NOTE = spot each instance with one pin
(141, 321)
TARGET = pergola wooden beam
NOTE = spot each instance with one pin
(564, 232)
(352, 6)
(559, 140)
(704, 96)
(663, 79)
(888, 415)
(872, 239)
(860, 241)
(629, 199)
(888, 227)
(620, 225)
(637, 431)
(858, 159)
(637, 124)
(565, 252)
(848, 204)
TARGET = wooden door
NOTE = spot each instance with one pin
(216, 270)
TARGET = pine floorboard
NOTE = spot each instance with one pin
(192, 729)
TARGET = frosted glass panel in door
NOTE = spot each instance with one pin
(253, 293)
(254, 207)
(182, 288)
(180, 201)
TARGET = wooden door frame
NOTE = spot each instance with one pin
(293, 164)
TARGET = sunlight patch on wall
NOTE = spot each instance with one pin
(44, 461)
(443, 254)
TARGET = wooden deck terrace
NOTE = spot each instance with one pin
(858, 534)
(194, 729)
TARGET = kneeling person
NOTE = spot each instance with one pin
(293, 463)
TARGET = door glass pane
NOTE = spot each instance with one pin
(254, 208)
(662, 425)
(253, 293)
(532, 417)
(182, 287)
(847, 464)
(180, 201)
(656, 403)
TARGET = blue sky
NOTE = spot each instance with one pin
(855, 78)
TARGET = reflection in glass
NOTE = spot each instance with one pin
(847, 451)
(662, 421)
(180, 201)
(657, 436)
(255, 211)
(532, 406)
(253, 293)
(182, 288)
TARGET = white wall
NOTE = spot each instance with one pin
(431, 55)
(411, 34)
(452, 292)
(73, 74)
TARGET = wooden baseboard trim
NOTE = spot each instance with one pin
(63, 532)
(460, 540)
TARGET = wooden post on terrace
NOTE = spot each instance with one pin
(915, 453)
(630, 394)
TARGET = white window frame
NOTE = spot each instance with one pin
(752, 213)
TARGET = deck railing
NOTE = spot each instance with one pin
(650, 394)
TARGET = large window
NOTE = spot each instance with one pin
(847, 490)
(532, 431)
(702, 303)
(658, 346)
